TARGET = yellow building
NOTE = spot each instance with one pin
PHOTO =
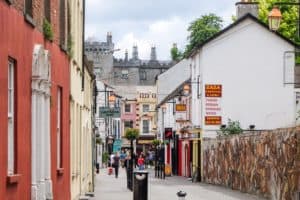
(146, 117)
(80, 107)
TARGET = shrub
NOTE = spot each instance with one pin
(232, 127)
(47, 29)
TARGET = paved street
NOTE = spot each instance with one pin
(110, 188)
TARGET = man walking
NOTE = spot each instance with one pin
(116, 164)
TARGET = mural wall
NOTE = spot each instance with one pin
(259, 162)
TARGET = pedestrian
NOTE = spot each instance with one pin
(141, 162)
(115, 164)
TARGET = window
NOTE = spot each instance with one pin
(28, 7)
(127, 108)
(146, 108)
(62, 27)
(145, 126)
(58, 127)
(124, 74)
(11, 118)
(47, 10)
(143, 75)
(128, 124)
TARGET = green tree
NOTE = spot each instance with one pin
(232, 127)
(176, 55)
(201, 29)
(288, 25)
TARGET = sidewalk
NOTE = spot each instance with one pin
(110, 188)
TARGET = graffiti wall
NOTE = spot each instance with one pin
(259, 162)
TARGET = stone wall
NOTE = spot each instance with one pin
(259, 162)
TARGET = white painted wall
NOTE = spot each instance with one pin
(248, 62)
(168, 81)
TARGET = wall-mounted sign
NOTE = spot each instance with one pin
(213, 90)
(107, 112)
(212, 104)
(168, 133)
(180, 107)
(213, 120)
(147, 95)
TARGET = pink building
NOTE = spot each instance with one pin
(128, 117)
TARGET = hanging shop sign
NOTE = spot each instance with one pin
(213, 110)
(180, 107)
(107, 112)
(213, 90)
(168, 133)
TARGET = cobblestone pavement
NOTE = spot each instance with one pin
(110, 188)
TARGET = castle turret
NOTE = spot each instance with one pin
(245, 7)
(135, 53)
(126, 55)
(109, 38)
(153, 53)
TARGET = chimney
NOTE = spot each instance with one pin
(135, 54)
(126, 55)
(109, 38)
(153, 53)
(245, 7)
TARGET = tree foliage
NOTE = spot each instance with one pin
(176, 55)
(288, 25)
(201, 29)
(232, 127)
(131, 133)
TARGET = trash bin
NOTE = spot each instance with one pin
(140, 185)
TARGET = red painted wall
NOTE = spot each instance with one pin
(17, 41)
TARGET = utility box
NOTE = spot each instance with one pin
(140, 185)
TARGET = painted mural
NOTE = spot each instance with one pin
(262, 162)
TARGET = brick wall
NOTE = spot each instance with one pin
(38, 15)
(262, 162)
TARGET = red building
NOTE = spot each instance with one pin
(34, 100)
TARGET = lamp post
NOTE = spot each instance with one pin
(275, 16)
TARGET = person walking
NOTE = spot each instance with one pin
(116, 164)
(141, 162)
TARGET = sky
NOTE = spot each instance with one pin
(147, 23)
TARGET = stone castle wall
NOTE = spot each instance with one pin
(259, 162)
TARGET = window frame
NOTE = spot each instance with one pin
(11, 117)
(145, 110)
(59, 133)
(125, 110)
(143, 127)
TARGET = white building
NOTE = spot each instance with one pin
(241, 74)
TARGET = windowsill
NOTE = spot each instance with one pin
(13, 179)
(9, 2)
(60, 171)
(29, 20)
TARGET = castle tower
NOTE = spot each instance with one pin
(153, 53)
(109, 38)
(126, 55)
(135, 53)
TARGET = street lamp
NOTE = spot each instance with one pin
(274, 18)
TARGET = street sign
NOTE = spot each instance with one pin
(107, 112)
(180, 107)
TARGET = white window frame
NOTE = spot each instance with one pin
(11, 118)
(127, 104)
(144, 127)
(146, 107)
(58, 128)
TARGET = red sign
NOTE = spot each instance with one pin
(213, 90)
(213, 120)
(168, 133)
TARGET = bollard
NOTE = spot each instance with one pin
(181, 195)
(140, 185)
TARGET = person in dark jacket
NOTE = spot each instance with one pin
(116, 163)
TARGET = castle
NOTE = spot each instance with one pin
(124, 72)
